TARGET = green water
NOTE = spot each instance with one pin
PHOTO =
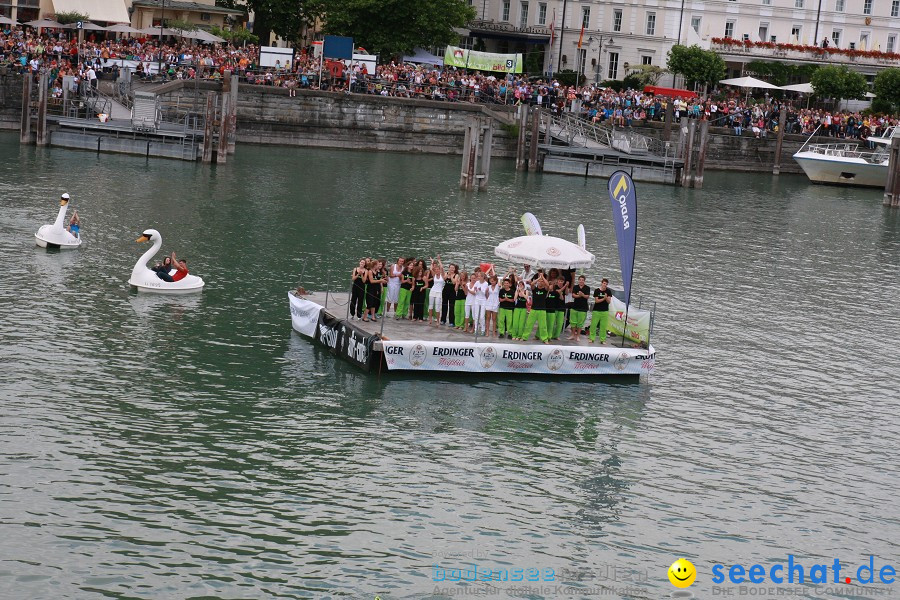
(157, 447)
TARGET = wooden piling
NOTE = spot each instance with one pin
(667, 126)
(682, 136)
(782, 118)
(687, 175)
(486, 146)
(25, 127)
(43, 137)
(206, 155)
(535, 139)
(224, 119)
(232, 118)
(701, 154)
(470, 152)
(892, 187)
(522, 119)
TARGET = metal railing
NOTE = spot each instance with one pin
(849, 151)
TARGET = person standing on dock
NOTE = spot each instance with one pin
(406, 282)
(358, 276)
(551, 308)
(377, 280)
(436, 298)
(420, 282)
(492, 306)
(459, 316)
(448, 299)
(600, 315)
(580, 294)
(481, 299)
(538, 312)
(393, 286)
(520, 313)
(507, 299)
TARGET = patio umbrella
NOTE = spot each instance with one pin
(803, 88)
(122, 28)
(155, 31)
(45, 23)
(205, 36)
(544, 251)
(86, 25)
(7, 21)
(750, 82)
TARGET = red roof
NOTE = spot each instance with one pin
(670, 92)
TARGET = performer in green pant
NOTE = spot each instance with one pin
(538, 310)
(459, 308)
(580, 294)
(552, 308)
(600, 316)
(406, 283)
(520, 313)
(507, 297)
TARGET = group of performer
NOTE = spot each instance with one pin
(481, 301)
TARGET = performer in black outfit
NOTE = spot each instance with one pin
(359, 276)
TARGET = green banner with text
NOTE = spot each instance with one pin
(482, 61)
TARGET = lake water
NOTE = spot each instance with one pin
(155, 447)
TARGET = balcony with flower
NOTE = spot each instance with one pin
(730, 47)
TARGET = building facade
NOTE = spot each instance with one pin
(615, 35)
(139, 13)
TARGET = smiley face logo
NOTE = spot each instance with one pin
(682, 573)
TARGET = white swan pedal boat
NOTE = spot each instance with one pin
(146, 280)
(56, 235)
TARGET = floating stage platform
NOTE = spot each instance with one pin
(390, 345)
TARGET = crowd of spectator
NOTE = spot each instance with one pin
(23, 50)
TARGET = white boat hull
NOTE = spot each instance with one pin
(49, 237)
(842, 171)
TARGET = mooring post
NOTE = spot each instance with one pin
(522, 119)
(535, 139)
(682, 136)
(467, 149)
(667, 126)
(25, 127)
(687, 174)
(42, 139)
(222, 148)
(782, 117)
(701, 155)
(486, 147)
(471, 166)
(548, 139)
(232, 118)
(206, 155)
(892, 188)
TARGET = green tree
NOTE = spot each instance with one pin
(181, 25)
(839, 83)
(887, 88)
(696, 65)
(389, 27)
(71, 17)
(285, 18)
(534, 60)
(640, 76)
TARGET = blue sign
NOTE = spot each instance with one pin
(338, 46)
(624, 207)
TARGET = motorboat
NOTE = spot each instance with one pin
(146, 280)
(56, 235)
(848, 163)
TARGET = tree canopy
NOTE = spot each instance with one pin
(696, 65)
(840, 83)
(887, 87)
(388, 27)
(71, 16)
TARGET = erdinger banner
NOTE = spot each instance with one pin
(346, 341)
(516, 358)
(624, 207)
(304, 315)
(638, 321)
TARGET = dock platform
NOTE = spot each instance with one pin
(390, 344)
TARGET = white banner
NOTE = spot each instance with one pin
(516, 358)
(638, 321)
(304, 315)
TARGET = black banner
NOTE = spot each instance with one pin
(346, 341)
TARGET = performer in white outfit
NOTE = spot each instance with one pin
(438, 276)
(393, 286)
(481, 298)
(492, 305)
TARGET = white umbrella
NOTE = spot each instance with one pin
(86, 25)
(805, 88)
(870, 95)
(45, 23)
(122, 28)
(205, 36)
(749, 82)
(8, 21)
(544, 251)
(155, 31)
